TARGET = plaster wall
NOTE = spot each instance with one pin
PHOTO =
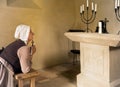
(105, 9)
(49, 19)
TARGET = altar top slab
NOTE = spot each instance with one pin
(94, 38)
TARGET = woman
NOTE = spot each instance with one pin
(16, 57)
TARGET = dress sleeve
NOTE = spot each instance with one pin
(25, 58)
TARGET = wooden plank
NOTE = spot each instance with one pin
(27, 75)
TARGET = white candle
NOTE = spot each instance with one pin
(87, 3)
(115, 4)
(80, 9)
(92, 6)
(83, 7)
(95, 7)
(100, 27)
(100, 24)
(118, 3)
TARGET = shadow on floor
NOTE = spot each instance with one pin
(72, 73)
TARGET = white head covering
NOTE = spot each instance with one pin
(22, 32)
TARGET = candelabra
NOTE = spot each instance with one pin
(117, 9)
(88, 19)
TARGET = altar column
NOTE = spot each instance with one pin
(100, 59)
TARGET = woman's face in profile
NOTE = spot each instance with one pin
(30, 36)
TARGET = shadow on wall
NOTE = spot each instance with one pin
(22, 4)
(55, 60)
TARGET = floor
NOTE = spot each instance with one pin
(63, 75)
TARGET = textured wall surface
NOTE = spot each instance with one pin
(49, 19)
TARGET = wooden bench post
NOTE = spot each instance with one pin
(32, 82)
(20, 83)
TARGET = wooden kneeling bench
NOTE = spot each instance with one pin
(28, 76)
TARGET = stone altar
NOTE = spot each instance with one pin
(99, 59)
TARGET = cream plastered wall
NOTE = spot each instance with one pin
(49, 19)
(105, 9)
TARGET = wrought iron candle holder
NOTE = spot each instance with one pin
(117, 9)
(88, 19)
